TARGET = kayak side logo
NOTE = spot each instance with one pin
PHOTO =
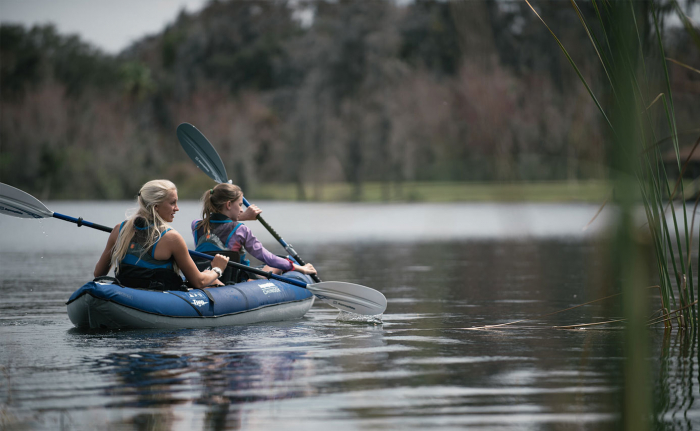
(268, 288)
(198, 302)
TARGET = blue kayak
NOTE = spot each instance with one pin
(110, 306)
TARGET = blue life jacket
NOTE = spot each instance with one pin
(140, 269)
(221, 229)
(136, 255)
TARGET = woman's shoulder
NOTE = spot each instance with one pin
(172, 238)
(170, 233)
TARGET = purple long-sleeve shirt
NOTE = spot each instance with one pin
(245, 237)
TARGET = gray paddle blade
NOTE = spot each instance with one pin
(16, 203)
(350, 297)
(201, 152)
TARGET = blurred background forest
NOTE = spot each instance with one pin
(304, 96)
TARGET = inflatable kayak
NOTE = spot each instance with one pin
(111, 306)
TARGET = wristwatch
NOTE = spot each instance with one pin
(217, 270)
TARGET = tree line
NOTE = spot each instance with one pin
(311, 93)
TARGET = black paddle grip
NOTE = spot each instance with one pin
(269, 228)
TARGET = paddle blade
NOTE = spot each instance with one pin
(201, 152)
(350, 297)
(16, 203)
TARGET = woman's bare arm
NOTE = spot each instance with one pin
(104, 264)
(177, 246)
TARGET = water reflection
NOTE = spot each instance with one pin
(418, 369)
(676, 384)
(216, 381)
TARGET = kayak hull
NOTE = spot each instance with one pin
(109, 306)
(97, 313)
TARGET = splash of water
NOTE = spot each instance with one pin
(346, 316)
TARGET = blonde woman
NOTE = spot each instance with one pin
(147, 253)
(220, 231)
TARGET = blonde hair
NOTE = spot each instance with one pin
(151, 194)
(213, 201)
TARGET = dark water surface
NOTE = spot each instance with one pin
(418, 369)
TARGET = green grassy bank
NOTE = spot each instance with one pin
(594, 191)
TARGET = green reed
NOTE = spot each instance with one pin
(637, 107)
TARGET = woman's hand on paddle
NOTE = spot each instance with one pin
(307, 269)
(251, 213)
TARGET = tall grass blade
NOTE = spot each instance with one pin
(683, 65)
(578, 72)
(594, 41)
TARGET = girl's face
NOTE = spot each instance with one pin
(167, 209)
(233, 209)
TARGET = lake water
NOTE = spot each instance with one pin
(443, 268)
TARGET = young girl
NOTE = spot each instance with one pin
(146, 252)
(220, 230)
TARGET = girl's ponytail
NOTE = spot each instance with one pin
(213, 201)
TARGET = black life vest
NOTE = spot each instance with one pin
(140, 269)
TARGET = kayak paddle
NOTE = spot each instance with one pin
(350, 297)
(203, 154)
(16, 203)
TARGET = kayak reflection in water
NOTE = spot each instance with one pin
(220, 231)
(147, 253)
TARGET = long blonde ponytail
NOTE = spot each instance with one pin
(151, 194)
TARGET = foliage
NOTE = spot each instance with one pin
(355, 92)
(40, 54)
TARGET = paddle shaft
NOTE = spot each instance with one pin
(80, 222)
(247, 268)
(282, 242)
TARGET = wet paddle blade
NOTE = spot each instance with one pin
(16, 203)
(350, 297)
(201, 152)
